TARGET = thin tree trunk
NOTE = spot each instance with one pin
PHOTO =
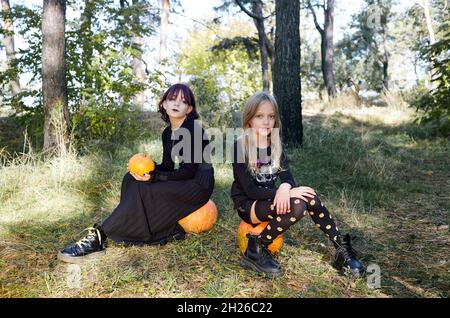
(139, 67)
(326, 47)
(8, 42)
(328, 61)
(87, 47)
(265, 45)
(54, 83)
(385, 59)
(163, 32)
(259, 23)
(428, 20)
(286, 71)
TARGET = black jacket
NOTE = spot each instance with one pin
(261, 187)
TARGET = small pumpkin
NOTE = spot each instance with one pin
(201, 220)
(245, 228)
(141, 164)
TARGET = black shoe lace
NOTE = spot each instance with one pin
(93, 233)
(347, 252)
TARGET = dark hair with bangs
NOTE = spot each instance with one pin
(173, 91)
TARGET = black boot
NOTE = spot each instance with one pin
(345, 257)
(258, 258)
(90, 246)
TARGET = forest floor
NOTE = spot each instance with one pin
(384, 179)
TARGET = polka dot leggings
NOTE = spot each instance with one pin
(278, 224)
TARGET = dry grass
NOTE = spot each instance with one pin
(379, 175)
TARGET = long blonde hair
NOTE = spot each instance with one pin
(248, 142)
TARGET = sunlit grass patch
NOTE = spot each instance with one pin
(384, 180)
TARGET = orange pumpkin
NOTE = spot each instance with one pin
(140, 164)
(201, 220)
(245, 228)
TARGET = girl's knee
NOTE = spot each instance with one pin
(314, 201)
(298, 207)
(309, 203)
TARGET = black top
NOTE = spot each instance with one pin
(189, 154)
(262, 186)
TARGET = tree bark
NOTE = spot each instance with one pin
(286, 71)
(385, 59)
(326, 47)
(87, 46)
(428, 20)
(163, 32)
(259, 23)
(138, 66)
(54, 83)
(8, 42)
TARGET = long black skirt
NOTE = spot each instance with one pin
(149, 212)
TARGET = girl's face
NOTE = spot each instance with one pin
(177, 107)
(264, 120)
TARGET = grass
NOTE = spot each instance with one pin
(384, 180)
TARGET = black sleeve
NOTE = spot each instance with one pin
(186, 170)
(247, 182)
(167, 164)
(286, 175)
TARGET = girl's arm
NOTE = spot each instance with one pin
(167, 163)
(186, 170)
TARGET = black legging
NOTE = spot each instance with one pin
(279, 223)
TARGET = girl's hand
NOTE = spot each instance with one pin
(303, 193)
(283, 199)
(146, 176)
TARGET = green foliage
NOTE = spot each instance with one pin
(27, 25)
(46, 203)
(310, 68)
(99, 54)
(435, 104)
(360, 55)
(224, 70)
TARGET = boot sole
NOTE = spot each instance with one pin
(80, 259)
(246, 263)
(348, 272)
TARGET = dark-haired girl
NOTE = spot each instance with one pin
(151, 206)
(259, 162)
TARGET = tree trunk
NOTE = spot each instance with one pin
(327, 54)
(286, 71)
(428, 20)
(385, 59)
(326, 45)
(265, 45)
(139, 67)
(54, 84)
(8, 42)
(163, 33)
(259, 23)
(87, 46)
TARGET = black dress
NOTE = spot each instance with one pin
(149, 212)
